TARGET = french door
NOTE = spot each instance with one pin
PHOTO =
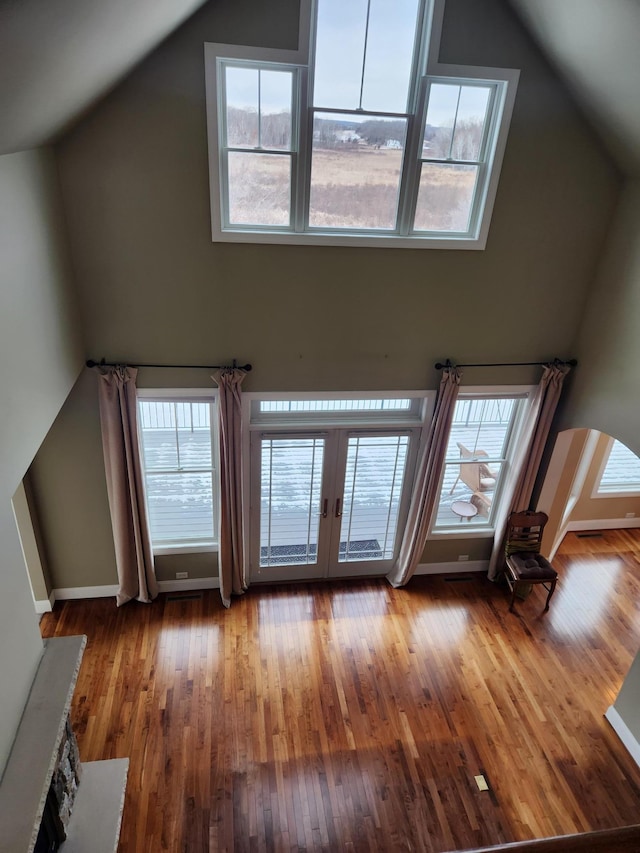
(328, 504)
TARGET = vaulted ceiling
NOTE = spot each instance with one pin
(594, 46)
(58, 57)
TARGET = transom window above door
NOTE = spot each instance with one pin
(358, 137)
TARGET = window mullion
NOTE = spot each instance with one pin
(302, 156)
(411, 166)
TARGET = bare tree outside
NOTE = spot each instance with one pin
(355, 172)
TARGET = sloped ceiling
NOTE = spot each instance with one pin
(594, 44)
(58, 57)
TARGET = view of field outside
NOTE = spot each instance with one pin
(366, 83)
(356, 167)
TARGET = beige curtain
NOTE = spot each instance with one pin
(527, 462)
(427, 483)
(231, 550)
(125, 489)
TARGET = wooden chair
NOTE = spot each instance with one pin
(524, 563)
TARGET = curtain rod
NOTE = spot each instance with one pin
(103, 363)
(571, 362)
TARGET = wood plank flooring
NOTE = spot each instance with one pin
(353, 716)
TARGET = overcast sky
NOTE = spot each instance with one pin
(340, 48)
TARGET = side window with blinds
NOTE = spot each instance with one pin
(177, 442)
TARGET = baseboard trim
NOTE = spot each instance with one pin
(44, 605)
(111, 590)
(189, 584)
(624, 733)
(453, 568)
(69, 593)
(602, 524)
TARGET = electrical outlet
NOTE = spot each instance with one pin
(180, 576)
(463, 558)
(630, 515)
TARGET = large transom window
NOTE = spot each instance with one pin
(362, 139)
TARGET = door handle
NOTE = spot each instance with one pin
(325, 508)
(338, 507)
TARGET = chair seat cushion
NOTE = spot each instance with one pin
(531, 567)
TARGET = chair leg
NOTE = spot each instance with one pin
(454, 485)
(513, 596)
(551, 591)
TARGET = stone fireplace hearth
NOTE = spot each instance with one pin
(44, 776)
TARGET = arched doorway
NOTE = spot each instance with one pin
(592, 483)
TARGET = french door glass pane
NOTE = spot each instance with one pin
(355, 171)
(291, 482)
(372, 492)
(259, 188)
(445, 197)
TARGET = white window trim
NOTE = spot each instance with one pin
(620, 493)
(506, 78)
(503, 493)
(200, 395)
(373, 418)
(248, 397)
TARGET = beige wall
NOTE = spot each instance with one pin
(68, 483)
(606, 388)
(153, 287)
(39, 359)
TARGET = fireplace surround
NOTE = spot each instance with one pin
(44, 779)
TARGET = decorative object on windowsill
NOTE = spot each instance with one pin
(524, 565)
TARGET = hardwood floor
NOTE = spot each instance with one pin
(353, 716)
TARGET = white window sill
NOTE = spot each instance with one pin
(367, 239)
(631, 493)
(167, 550)
(463, 531)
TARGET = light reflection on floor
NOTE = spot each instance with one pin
(583, 593)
